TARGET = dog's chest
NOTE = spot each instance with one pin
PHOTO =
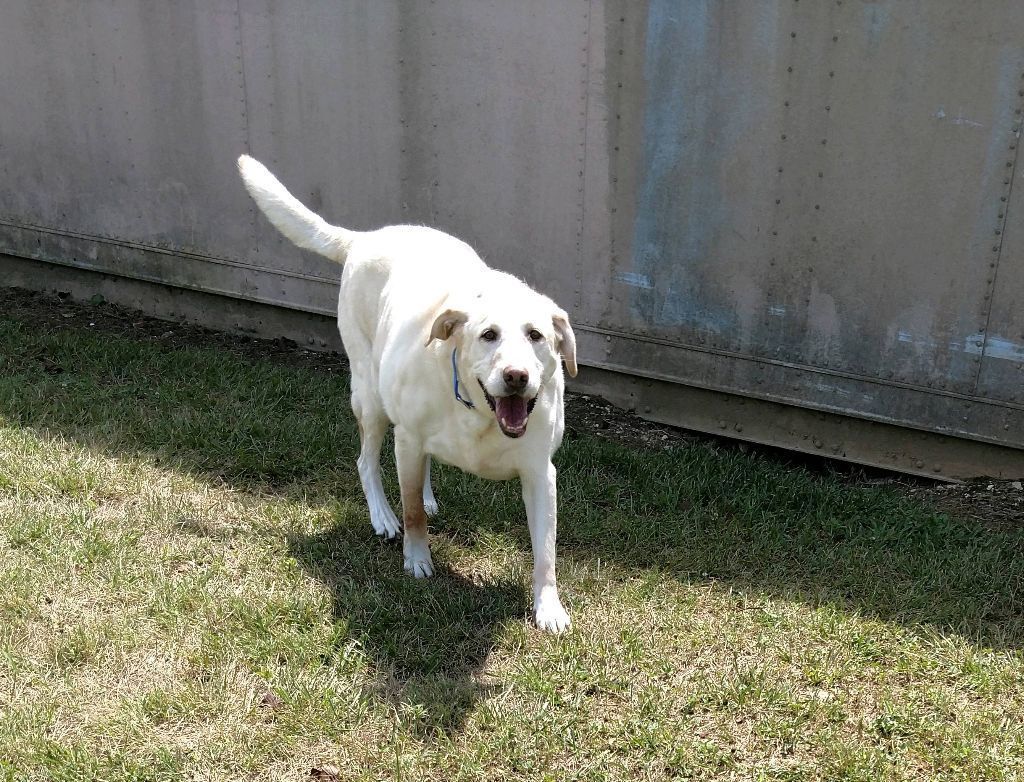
(477, 448)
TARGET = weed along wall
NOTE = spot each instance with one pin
(788, 222)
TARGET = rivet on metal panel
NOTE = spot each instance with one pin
(738, 427)
(831, 74)
(783, 136)
(817, 206)
(792, 35)
(918, 463)
(778, 200)
(817, 443)
(647, 408)
(785, 103)
(821, 174)
(723, 425)
(995, 248)
(790, 69)
(824, 141)
(780, 169)
(998, 232)
(828, 108)
(835, 38)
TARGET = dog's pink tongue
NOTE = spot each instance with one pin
(512, 414)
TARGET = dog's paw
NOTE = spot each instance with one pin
(430, 505)
(550, 616)
(385, 523)
(417, 563)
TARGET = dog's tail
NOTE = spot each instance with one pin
(307, 229)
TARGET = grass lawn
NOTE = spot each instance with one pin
(190, 590)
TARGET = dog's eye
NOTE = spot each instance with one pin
(489, 336)
(535, 336)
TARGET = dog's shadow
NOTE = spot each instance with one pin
(428, 639)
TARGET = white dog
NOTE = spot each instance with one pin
(464, 360)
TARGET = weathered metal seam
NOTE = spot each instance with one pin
(231, 294)
(805, 405)
(771, 362)
(189, 255)
(247, 133)
(1001, 233)
(588, 47)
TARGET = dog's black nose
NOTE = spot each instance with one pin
(515, 379)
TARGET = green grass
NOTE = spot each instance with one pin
(190, 589)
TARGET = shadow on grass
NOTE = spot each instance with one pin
(430, 636)
(692, 514)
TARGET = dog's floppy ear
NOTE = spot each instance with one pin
(566, 341)
(446, 323)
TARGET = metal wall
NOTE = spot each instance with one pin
(804, 202)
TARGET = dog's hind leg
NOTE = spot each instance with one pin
(429, 501)
(372, 428)
(409, 458)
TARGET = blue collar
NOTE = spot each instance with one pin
(455, 383)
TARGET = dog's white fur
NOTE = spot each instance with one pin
(409, 296)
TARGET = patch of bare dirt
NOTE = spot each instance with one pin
(993, 503)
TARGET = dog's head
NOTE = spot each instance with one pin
(512, 339)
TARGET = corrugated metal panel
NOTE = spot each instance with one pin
(812, 202)
(120, 120)
(1002, 364)
(467, 116)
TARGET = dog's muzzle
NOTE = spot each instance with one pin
(512, 412)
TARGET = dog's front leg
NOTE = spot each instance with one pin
(540, 496)
(410, 461)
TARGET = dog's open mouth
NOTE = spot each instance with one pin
(512, 412)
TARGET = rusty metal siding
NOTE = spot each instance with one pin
(804, 202)
(814, 206)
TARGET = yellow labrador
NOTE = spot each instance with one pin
(463, 360)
